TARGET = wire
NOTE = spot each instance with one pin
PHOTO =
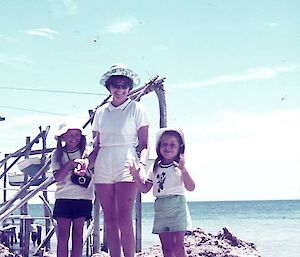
(30, 110)
(51, 91)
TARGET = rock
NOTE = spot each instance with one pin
(4, 251)
(199, 243)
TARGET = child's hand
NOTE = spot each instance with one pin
(133, 168)
(84, 163)
(137, 171)
(181, 164)
(81, 167)
(79, 170)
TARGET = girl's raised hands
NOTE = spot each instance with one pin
(181, 164)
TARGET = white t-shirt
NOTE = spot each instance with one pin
(66, 189)
(167, 180)
(118, 126)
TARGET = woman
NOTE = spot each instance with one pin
(121, 128)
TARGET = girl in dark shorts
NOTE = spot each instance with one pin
(75, 191)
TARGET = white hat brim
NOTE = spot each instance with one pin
(123, 71)
(161, 131)
(64, 127)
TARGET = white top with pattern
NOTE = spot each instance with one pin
(167, 180)
(66, 189)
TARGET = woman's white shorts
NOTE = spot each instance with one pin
(110, 165)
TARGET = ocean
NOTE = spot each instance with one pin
(274, 226)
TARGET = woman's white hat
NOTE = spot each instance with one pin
(163, 130)
(65, 126)
(120, 69)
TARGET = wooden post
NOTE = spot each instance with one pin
(138, 223)
(87, 244)
(45, 194)
(24, 207)
(27, 227)
(96, 233)
(5, 182)
(160, 92)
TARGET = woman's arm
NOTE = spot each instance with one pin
(93, 155)
(142, 147)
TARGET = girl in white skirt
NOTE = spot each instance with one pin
(169, 178)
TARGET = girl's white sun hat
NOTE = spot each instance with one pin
(123, 70)
(69, 124)
(161, 131)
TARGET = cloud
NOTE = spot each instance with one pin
(273, 24)
(122, 27)
(63, 7)
(7, 39)
(258, 73)
(70, 6)
(245, 155)
(15, 60)
(42, 32)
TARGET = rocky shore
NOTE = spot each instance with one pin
(198, 243)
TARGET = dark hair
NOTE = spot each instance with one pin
(112, 79)
(181, 147)
(60, 149)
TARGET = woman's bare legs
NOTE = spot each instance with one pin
(106, 196)
(63, 234)
(77, 237)
(125, 196)
(117, 201)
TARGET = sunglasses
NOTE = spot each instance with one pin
(119, 86)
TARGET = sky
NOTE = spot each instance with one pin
(231, 72)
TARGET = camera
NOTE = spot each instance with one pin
(83, 181)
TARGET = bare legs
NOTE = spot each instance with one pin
(63, 234)
(77, 237)
(106, 196)
(126, 195)
(117, 201)
(172, 244)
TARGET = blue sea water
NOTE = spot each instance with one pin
(274, 226)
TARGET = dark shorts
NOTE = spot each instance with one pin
(72, 209)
